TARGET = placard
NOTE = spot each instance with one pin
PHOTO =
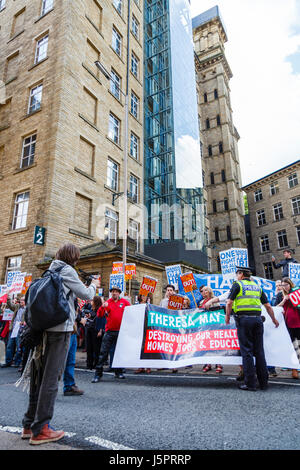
(148, 285)
(7, 315)
(117, 280)
(295, 297)
(175, 302)
(173, 273)
(188, 282)
(117, 267)
(130, 271)
(232, 258)
(294, 272)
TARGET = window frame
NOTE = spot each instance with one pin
(134, 145)
(280, 235)
(292, 180)
(32, 107)
(111, 218)
(261, 217)
(16, 216)
(37, 60)
(45, 8)
(134, 183)
(116, 42)
(116, 123)
(264, 240)
(112, 175)
(278, 212)
(31, 155)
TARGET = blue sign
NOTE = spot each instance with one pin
(117, 280)
(173, 273)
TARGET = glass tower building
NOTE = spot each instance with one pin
(173, 172)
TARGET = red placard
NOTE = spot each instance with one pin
(130, 270)
(188, 281)
(295, 297)
(117, 267)
(175, 302)
(148, 285)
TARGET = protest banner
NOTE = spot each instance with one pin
(173, 272)
(81, 303)
(148, 285)
(117, 267)
(7, 315)
(3, 289)
(175, 302)
(27, 282)
(294, 272)
(117, 280)
(229, 259)
(152, 336)
(10, 277)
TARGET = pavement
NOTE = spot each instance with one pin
(11, 439)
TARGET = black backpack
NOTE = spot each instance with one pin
(46, 303)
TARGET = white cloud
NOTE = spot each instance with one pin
(265, 93)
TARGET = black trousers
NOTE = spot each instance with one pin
(250, 332)
(92, 351)
(109, 339)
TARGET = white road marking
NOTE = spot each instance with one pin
(107, 444)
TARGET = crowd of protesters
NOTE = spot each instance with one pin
(93, 327)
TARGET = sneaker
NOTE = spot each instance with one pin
(26, 433)
(47, 434)
(74, 390)
(120, 376)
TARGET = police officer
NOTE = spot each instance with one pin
(247, 297)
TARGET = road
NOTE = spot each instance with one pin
(165, 411)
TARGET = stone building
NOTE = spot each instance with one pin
(62, 125)
(222, 176)
(274, 210)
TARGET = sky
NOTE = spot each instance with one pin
(263, 51)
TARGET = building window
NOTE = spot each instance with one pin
(114, 129)
(298, 234)
(210, 152)
(268, 270)
(207, 123)
(134, 146)
(274, 188)
(223, 176)
(35, 99)
(135, 26)
(134, 65)
(118, 5)
(20, 210)
(14, 263)
(220, 147)
(116, 41)
(264, 244)
(41, 49)
(212, 178)
(226, 205)
(28, 151)
(134, 188)
(2, 4)
(205, 97)
(47, 5)
(218, 120)
(293, 180)
(258, 195)
(228, 232)
(133, 232)
(261, 217)
(282, 239)
(134, 105)
(216, 94)
(217, 237)
(278, 212)
(111, 226)
(214, 205)
(115, 84)
(112, 179)
(296, 205)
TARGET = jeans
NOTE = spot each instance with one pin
(13, 351)
(109, 340)
(44, 381)
(250, 334)
(68, 378)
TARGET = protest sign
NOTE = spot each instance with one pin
(152, 336)
(7, 315)
(175, 302)
(117, 280)
(17, 284)
(117, 267)
(173, 272)
(130, 271)
(15, 330)
(27, 282)
(3, 299)
(294, 272)
(188, 281)
(10, 277)
(3, 289)
(81, 303)
(229, 259)
(148, 285)
(295, 297)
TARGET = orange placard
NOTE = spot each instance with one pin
(130, 270)
(27, 282)
(188, 281)
(148, 285)
(117, 267)
(175, 302)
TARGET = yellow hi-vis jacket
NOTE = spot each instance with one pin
(248, 299)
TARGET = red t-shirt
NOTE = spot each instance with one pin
(115, 311)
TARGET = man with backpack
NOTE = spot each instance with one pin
(49, 358)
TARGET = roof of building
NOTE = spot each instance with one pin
(271, 174)
(207, 16)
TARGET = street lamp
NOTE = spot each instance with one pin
(108, 76)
